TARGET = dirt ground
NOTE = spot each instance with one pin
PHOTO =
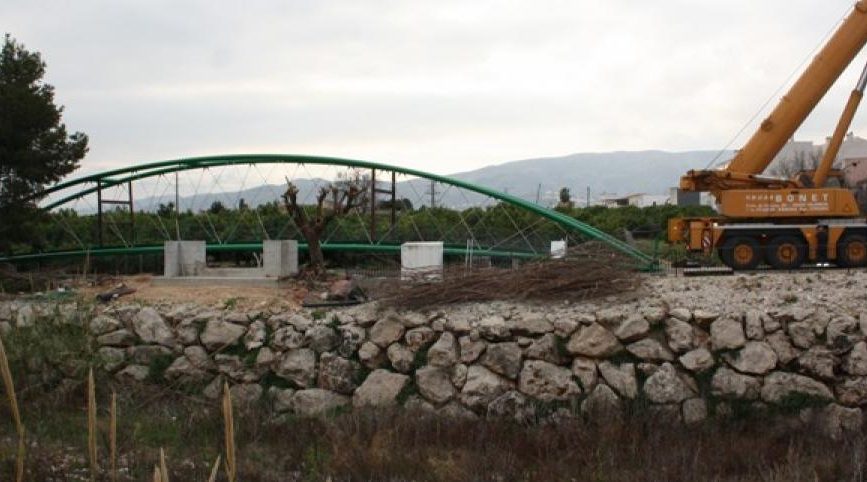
(241, 297)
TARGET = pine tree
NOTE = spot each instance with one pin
(35, 150)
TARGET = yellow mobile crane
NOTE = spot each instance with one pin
(785, 222)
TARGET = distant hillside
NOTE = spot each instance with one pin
(649, 172)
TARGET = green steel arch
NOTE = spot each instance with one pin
(124, 175)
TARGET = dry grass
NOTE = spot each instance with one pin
(9, 386)
(229, 423)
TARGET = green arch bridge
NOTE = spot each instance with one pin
(65, 194)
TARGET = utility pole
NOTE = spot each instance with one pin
(588, 196)
(433, 194)
(538, 193)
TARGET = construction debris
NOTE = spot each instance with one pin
(117, 292)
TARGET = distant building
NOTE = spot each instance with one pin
(637, 199)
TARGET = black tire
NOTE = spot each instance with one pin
(786, 252)
(741, 253)
(852, 251)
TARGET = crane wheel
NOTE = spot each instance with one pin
(785, 252)
(741, 253)
(852, 251)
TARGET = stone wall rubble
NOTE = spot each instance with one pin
(520, 361)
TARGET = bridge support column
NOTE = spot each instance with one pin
(184, 258)
(421, 261)
(280, 258)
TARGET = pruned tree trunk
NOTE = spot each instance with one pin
(313, 225)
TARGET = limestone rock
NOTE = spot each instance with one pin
(544, 348)
(843, 332)
(111, 358)
(26, 316)
(420, 337)
(313, 402)
(434, 384)
(255, 336)
(137, 373)
(266, 358)
(694, 411)
(650, 349)
(351, 338)
(322, 338)
(456, 411)
(147, 354)
(836, 421)
(471, 350)
(594, 341)
(300, 322)
(282, 399)
(654, 314)
(697, 360)
(727, 383)
(564, 327)
(494, 328)
(338, 374)
(219, 334)
(782, 346)
(602, 404)
(547, 382)
(102, 324)
(371, 355)
(245, 395)
(457, 323)
(482, 387)
(780, 387)
(151, 328)
(187, 332)
(287, 338)
(531, 324)
(620, 377)
(680, 335)
(400, 357)
(512, 405)
(856, 361)
(755, 358)
(386, 331)
(753, 326)
(727, 334)
(610, 317)
(458, 375)
(819, 362)
(852, 391)
(680, 313)
(585, 370)
(380, 389)
(704, 316)
(120, 337)
(443, 353)
(503, 358)
(298, 366)
(802, 334)
(667, 386)
(199, 357)
(632, 328)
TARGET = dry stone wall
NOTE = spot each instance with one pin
(677, 351)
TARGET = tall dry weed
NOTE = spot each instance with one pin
(8, 383)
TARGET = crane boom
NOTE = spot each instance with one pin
(827, 66)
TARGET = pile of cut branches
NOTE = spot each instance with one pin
(576, 277)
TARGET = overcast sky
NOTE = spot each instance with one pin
(445, 85)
